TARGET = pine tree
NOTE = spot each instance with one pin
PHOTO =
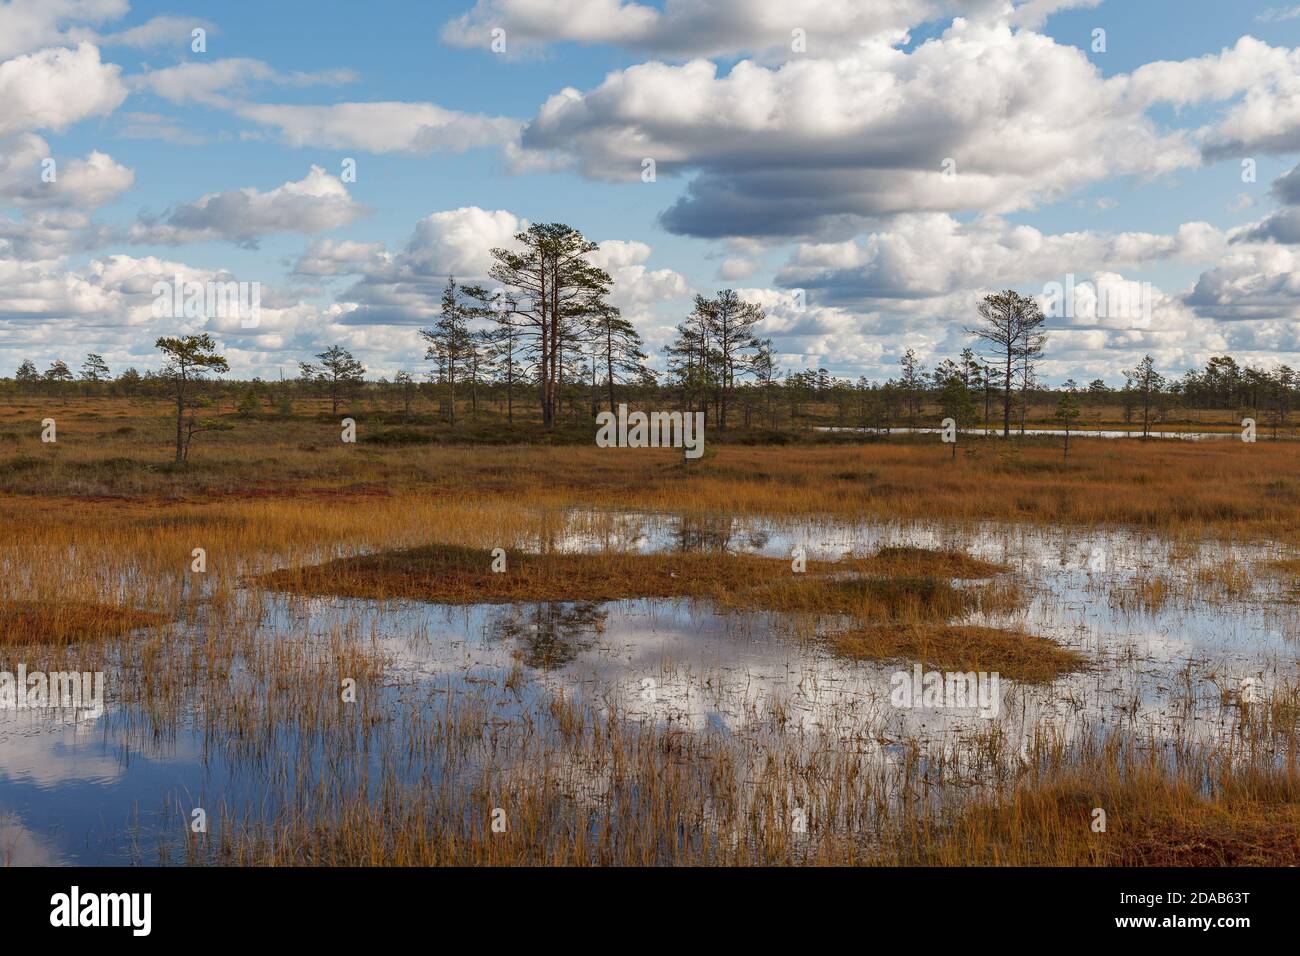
(554, 291)
(94, 369)
(689, 364)
(1067, 413)
(1011, 327)
(618, 349)
(340, 372)
(189, 360)
(730, 322)
(450, 342)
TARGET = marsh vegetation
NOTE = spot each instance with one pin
(649, 680)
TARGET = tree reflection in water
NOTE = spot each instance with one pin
(719, 533)
(550, 634)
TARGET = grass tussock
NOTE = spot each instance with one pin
(913, 561)
(1154, 816)
(453, 574)
(895, 617)
(47, 622)
(863, 598)
(456, 574)
(1013, 654)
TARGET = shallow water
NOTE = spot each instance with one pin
(1262, 433)
(117, 789)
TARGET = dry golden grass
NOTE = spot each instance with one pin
(872, 598)
(452, 574)
(1154, 816)
(1012, 654)
(1215, 488)
(1224, 581)
(916, 561)
(1239, 834)
(1148, 594)
(44, 622)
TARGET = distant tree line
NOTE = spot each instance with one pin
(546, 335)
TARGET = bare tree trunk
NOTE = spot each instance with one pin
(180, 415)
(609, 365)
(1006, 398)
(451, 392)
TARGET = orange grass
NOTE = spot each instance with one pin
(38, 622)
(865, 598)
(944, 563)
(1154, 817)
(1216, 488)
(1011, 654)
(452, 574)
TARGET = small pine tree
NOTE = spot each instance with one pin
(955, 402)
(1067, 412)
(248, 403)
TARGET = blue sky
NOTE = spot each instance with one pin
(778, 169)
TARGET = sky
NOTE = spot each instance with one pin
(867, 172)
